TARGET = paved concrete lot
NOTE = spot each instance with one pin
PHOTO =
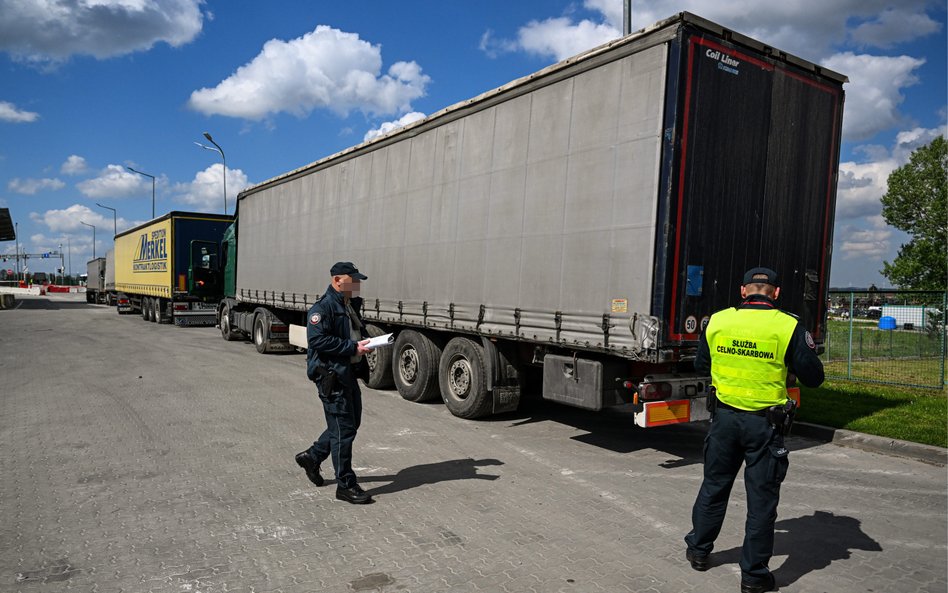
(140, 457)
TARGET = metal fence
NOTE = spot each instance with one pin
(886, 336)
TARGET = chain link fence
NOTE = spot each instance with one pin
(893, 337)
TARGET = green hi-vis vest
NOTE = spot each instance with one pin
(748, 347)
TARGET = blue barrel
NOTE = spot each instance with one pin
(887, 322)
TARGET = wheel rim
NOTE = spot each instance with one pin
(459, 378)
(371, 360)
(408, 365)
(225, 323)
(258, 335)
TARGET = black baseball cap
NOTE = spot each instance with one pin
(760, 276)
(347, 268)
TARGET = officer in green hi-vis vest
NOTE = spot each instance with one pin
(749, 351)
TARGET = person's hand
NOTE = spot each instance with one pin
(361, 349)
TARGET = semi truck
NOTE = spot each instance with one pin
(572, 230)
(167, 268)
(95, 280)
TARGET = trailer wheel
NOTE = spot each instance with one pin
(227, 331)
(146, 307)
(463, 379)
(415, 366)
(156, 314)
(260, 333)
(379, 361)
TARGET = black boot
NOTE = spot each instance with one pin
(354, 495)
(306, 461)
(767, 584)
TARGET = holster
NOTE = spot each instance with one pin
(327, 380)
(781, 417)
(712, 401)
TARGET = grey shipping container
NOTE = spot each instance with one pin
(588, 218)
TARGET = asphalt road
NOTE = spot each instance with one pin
(140, 457)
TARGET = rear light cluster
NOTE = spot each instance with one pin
(274, 328)
(180, 306)
(653, 391)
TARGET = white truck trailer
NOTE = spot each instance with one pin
(583, 221)
(95, 280)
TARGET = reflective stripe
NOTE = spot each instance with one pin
(748, 347)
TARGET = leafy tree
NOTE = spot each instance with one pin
(917, 203)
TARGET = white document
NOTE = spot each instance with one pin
(379, 341)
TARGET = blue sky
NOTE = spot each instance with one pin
(91, 87)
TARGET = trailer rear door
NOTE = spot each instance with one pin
(752, 182)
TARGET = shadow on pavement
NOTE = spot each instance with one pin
(811, 543)
(431, 473)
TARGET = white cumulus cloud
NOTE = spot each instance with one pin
(389, 126)
(11, 113)
(42, 31)
(205, 193)
(325, 68)
(70, 219)
(874, 91)
(115, 181)
(30, 187)
(74, 165)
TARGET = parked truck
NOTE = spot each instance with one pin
(167, 268)
(95, 280)
(578, 225)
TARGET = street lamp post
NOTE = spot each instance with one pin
(223, 158)
(16, 234)
(93, 236)
(114, 223)
(152, 188)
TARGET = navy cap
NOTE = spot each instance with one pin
(347, 268)
(760, 276)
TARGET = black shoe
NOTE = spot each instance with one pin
(354, 495)
(767, 584)
(306, 461)
(698, 561)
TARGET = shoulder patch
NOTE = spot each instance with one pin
(314, 318)
(809, 340)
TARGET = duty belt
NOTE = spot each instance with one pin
(754, 412)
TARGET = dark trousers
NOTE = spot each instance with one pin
(343, 410)
(737, 438)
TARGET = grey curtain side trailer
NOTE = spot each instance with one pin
(587, 218)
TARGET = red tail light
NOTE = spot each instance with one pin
(180, 306)
(653, 391)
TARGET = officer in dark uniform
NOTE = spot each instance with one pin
(336, 338)
(749, 351)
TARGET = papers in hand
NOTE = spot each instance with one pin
(379, 341)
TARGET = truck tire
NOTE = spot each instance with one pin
(463, 379)
(157, 316)
(146, 307)
(261, 333)
(415, 366)
(379, 361)
(227, 331)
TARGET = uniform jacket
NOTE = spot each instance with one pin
(329, 337)
(801, 358)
